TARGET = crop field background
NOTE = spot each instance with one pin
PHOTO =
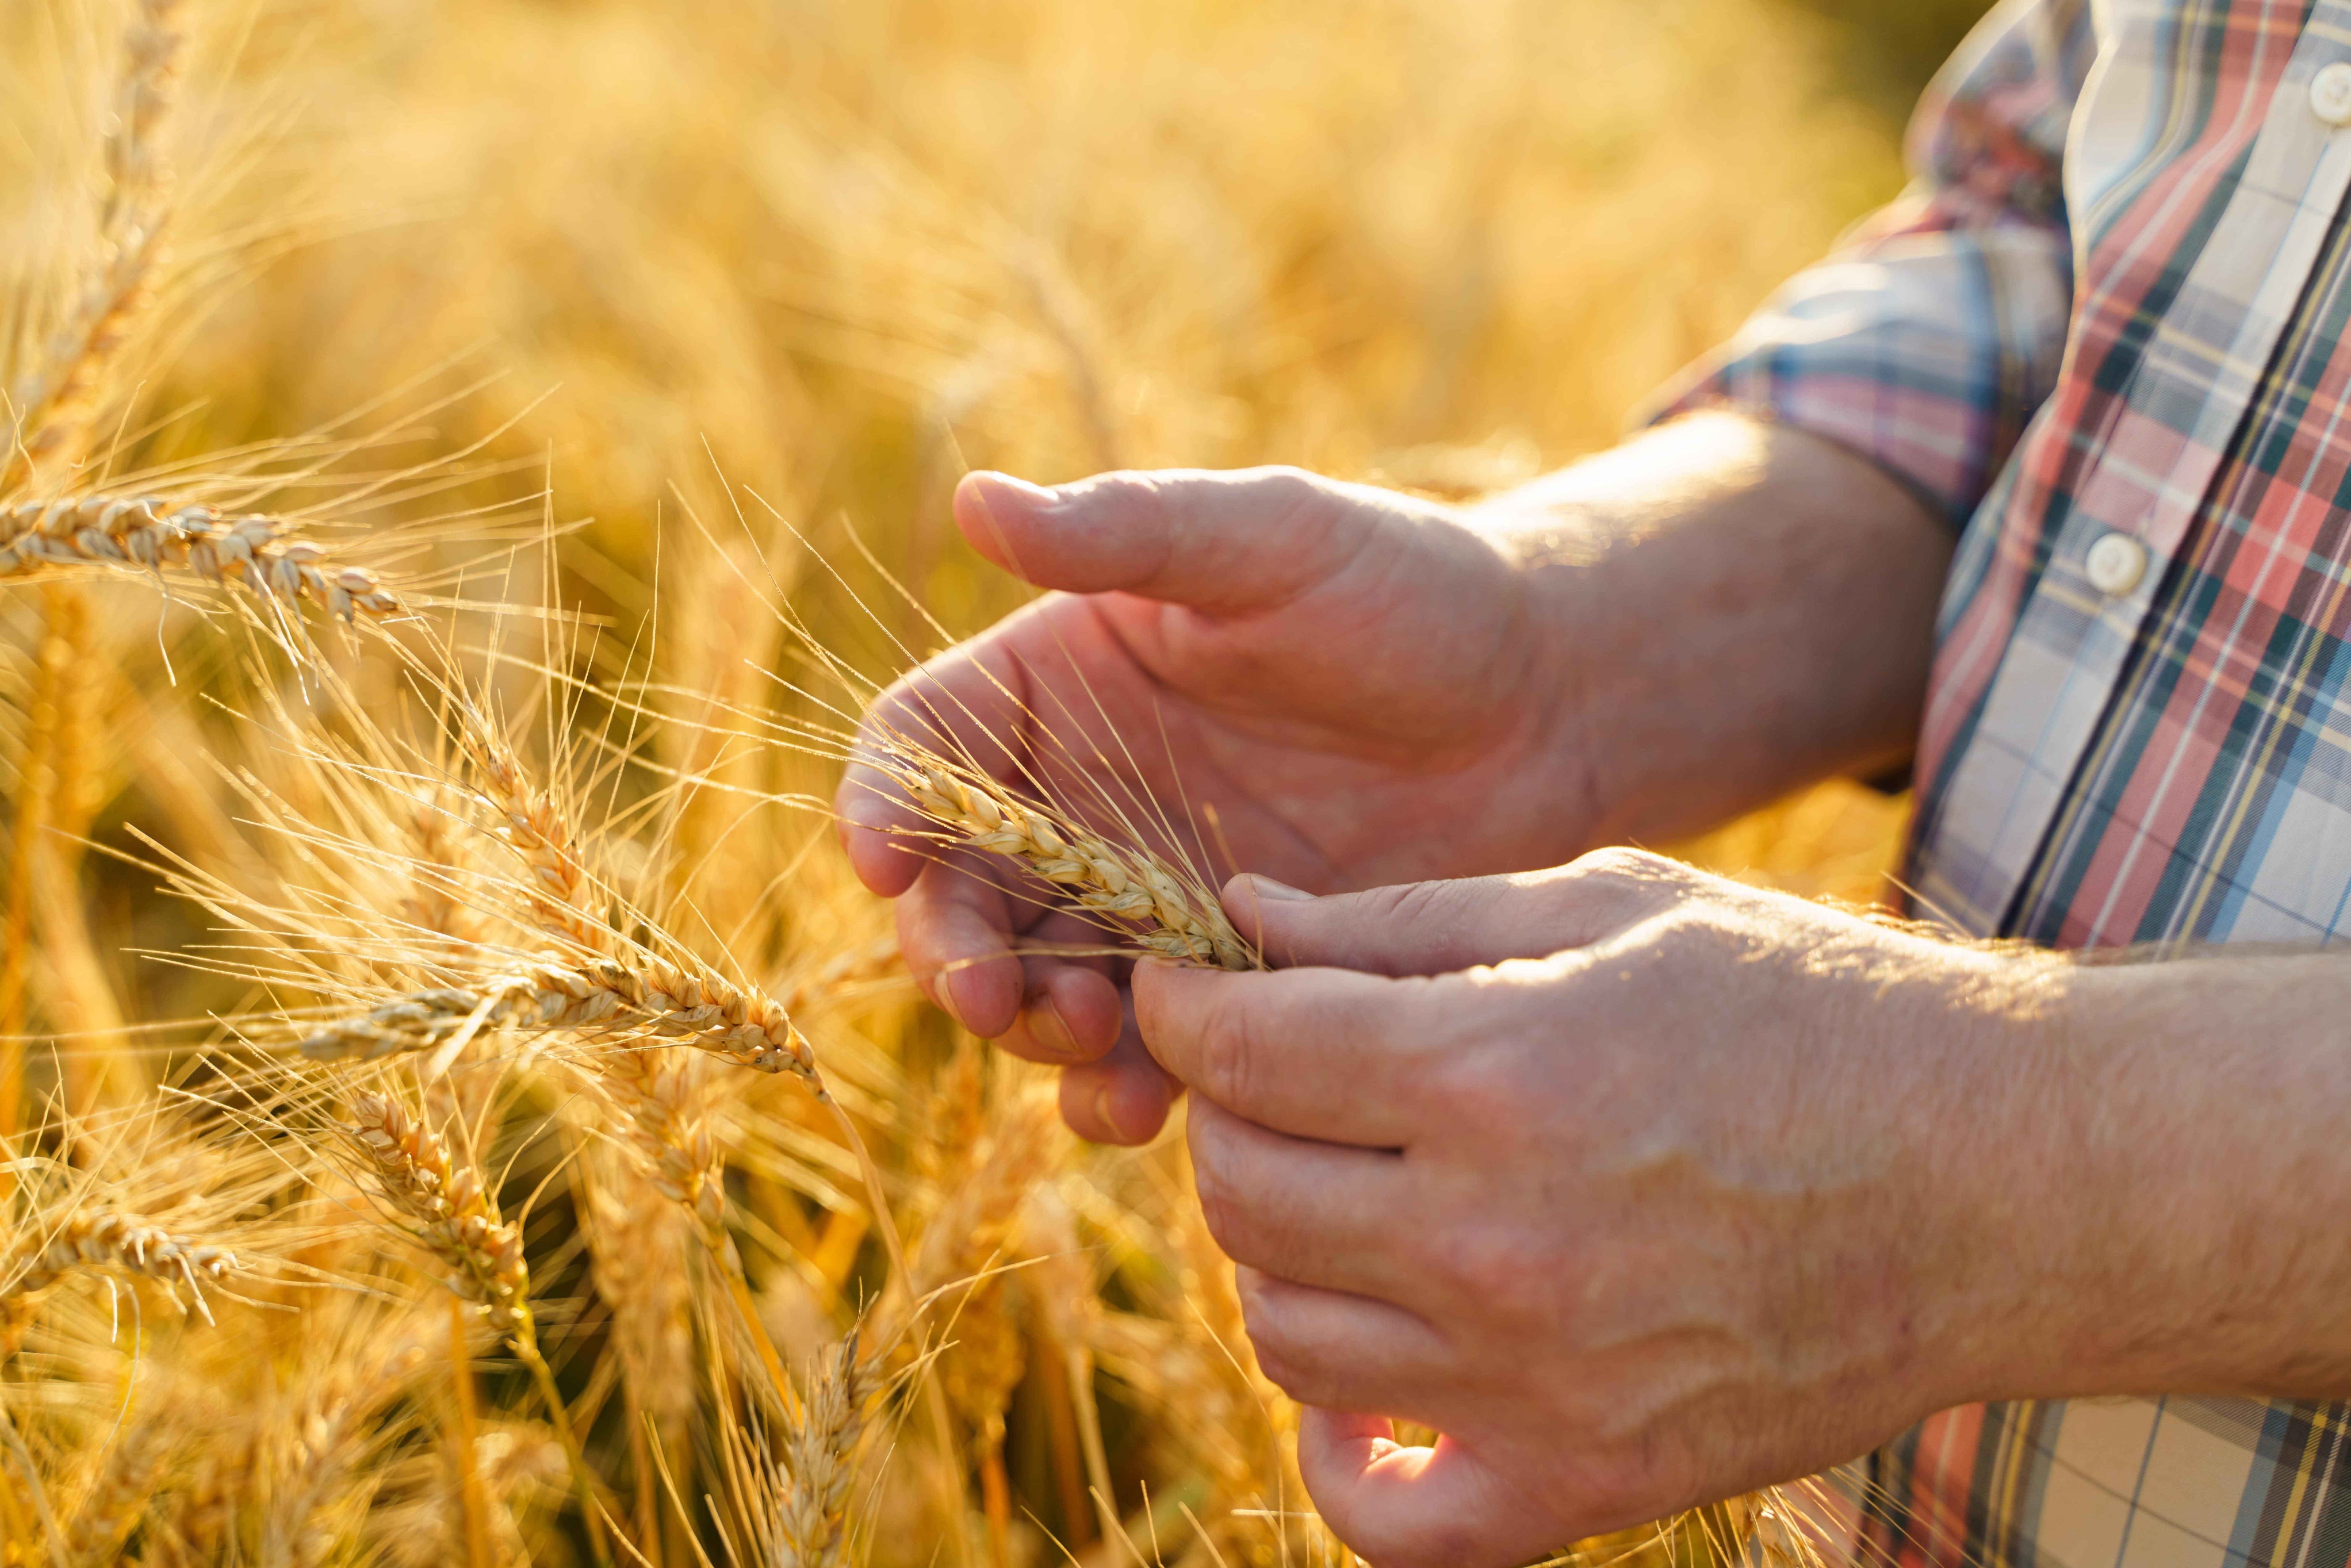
(408, 885)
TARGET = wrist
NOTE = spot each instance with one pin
(1735, 610)
(2169, 1167)
(1966, 1051)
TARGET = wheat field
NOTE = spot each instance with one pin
(469, 463)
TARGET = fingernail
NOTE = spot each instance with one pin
(1273, 892)
(933, 987)
(1021, 487)
(1048, 1029)
(1104, 1115)
(1104, 1099)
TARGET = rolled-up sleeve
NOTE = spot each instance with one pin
(1928, 338)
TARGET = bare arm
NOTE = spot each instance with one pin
(1753, 610)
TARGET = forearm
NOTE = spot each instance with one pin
(2186, 1177)
(1742, 608)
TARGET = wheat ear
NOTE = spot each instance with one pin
(446, 1209)
(537, 832)
(109, 1239)
(669, 1130)
(121, 1494)
(1112, 880)
(322, 1445)
(452, 1213)
(649, 997)
(151, 532)
(820, 1462)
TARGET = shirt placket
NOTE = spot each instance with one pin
(2138, 503)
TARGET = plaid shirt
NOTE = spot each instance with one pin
(2105, 334)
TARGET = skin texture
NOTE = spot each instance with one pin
(1641, 1187)
(1649, 1188)
(1343, 687)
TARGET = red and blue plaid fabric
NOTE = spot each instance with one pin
(2105, 333)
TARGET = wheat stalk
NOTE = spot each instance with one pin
(1114, 882)
(451, 1212)
(153, 532)
(53, 407)
(740, 1024)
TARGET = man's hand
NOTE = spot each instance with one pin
(1646, 1188)
(1342, 686)
(1637, 1185)
(1303, 675)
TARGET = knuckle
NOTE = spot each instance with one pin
(1415, 903)
(1286, 1359)
(1228, 1051)
(1487, 1266)
(1471, 1089)
(1287, 485)
(1222, 1206)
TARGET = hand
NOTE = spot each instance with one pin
(1344, 688)
(1340, 685)
(1642, 1188)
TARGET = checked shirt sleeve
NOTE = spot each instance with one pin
(1932, 334)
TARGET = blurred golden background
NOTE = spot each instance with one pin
(718, 287)
(838, 250)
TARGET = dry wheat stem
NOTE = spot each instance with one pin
(1104, 879)
(151, 532)
(738, 1023)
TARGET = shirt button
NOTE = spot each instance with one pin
(2116, 563)
(2330, 93)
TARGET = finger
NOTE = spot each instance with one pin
(1216, 541)
(1316, 1053)
(954, 928)
(1312, 1214)
(1341, 1351)
(1436, 928)
(1123, 1099)
(1069, 1013)
(1398, 1507)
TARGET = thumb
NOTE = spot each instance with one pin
(1397, 1507)
(1438, 927)
(1216, 541)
